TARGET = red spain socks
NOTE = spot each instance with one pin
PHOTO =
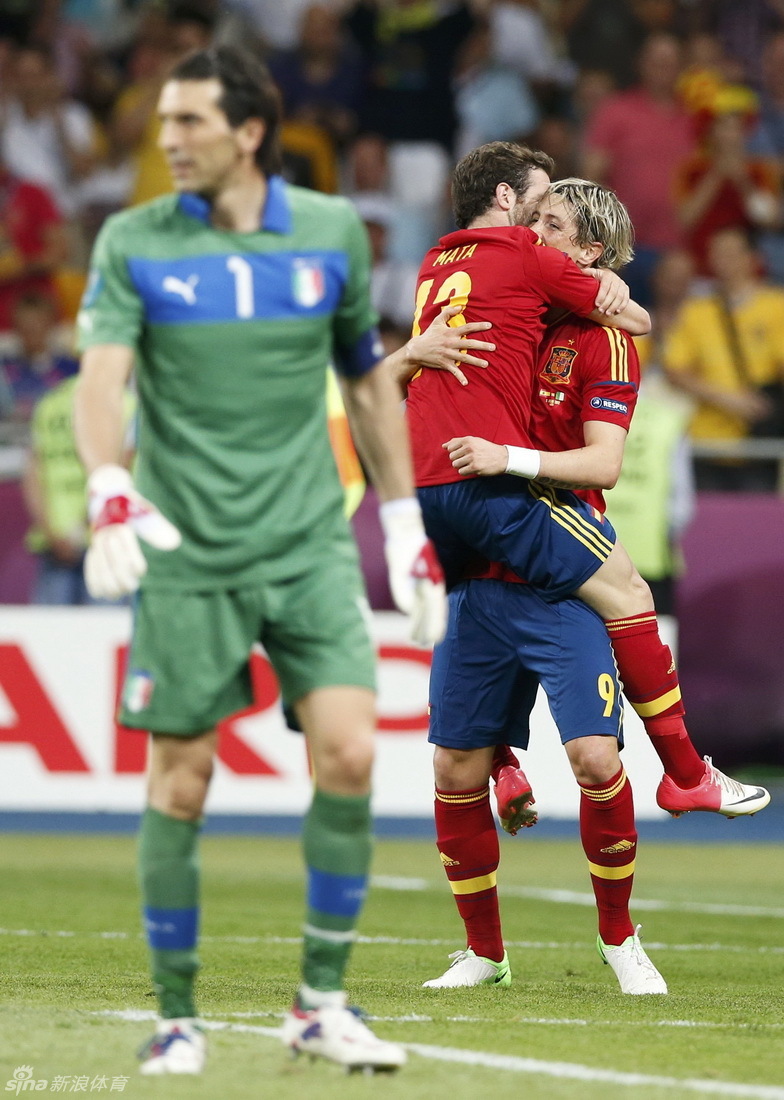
(609, 839)
(503, 757)
(650, 683)
(467, 839)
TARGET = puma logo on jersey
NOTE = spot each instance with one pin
(671, 669)
(447, 862)
(616, 849)
(185, 288)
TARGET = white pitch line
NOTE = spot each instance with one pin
(402, 941)
(514, 1064)
(398, 882)
(576, 1072)
(574, 897)
(708, 1025)
(415, 1018)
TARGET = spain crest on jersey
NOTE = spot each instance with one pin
(308, 282)
(558, 368)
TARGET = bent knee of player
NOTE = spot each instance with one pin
(180, 774)
(340, 724)
(616, 589)
(461, 769)
(594, 759)
(343, 766)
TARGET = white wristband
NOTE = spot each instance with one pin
(522, 461)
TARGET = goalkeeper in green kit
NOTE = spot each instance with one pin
(229, 298)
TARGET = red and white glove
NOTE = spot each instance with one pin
(415, 575)
(114, 563)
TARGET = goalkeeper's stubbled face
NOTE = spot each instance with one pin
(202, 149)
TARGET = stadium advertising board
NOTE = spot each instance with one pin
(61, 749)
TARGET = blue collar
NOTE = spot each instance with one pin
(275, 218)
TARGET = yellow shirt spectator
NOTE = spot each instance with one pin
(698, 344)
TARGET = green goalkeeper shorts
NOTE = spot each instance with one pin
(188, 665)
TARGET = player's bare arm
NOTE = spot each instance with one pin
(379, 431)
(615, 307)
(119, 516)
(597, 465)
(380, 434)
(99, 421)
(442, 347)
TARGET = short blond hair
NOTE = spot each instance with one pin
(599, 216)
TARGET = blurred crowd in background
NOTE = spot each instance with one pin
(676, 104)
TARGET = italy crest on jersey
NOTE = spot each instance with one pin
(558, 368)
(139, 686)
(308, 282)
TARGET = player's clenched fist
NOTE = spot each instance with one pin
(415, 575)
(114, 563)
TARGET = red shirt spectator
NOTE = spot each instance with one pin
(722, 187)
(636, 140)
(32, 243)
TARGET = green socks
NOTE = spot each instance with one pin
(169, 878)
(337, 846)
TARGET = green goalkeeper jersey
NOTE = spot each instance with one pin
(232, 333)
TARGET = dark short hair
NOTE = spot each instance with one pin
(192, 11)
(479, 172)
(248, 92)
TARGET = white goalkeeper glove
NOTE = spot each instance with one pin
(114, 563)
(415, 575)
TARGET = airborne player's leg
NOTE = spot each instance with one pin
(513, 793)
(650, 679)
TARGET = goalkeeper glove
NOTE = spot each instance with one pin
(415, 575)
(114, 563)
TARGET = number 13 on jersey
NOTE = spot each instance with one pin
(454, 290)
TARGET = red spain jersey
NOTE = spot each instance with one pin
(505, 276)
(585, 372)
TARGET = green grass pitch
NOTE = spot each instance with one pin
(74, 977)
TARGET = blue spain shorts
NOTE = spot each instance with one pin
(550, 538)
(503, 640)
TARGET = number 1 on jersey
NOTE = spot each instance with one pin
(243, 285)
